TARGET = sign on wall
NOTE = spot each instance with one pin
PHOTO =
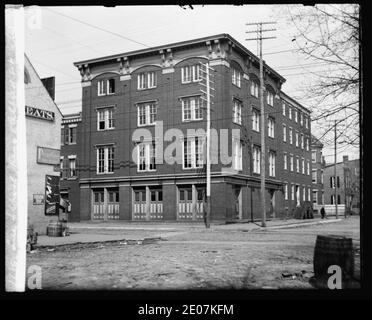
(52, 195)
(48, 156)
(38, 199)
(39, 113)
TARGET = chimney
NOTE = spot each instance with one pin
(323, 161)
(49, 84)
(346, 159)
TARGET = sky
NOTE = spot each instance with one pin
(56, 37)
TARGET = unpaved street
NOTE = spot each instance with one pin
(195, 258)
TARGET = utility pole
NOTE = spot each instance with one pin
(208, 95)
(334, 169)
(259, 37)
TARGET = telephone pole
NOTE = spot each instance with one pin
(334, 169)
(259, 38)
(208, 95)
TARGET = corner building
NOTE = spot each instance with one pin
(126, 92)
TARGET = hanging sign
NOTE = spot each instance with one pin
(52, 195)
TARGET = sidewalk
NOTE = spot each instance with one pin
(89, 232)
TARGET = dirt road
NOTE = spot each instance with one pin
(195, 258)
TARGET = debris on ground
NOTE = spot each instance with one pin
(293, 276)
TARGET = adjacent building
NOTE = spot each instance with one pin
(123, 164)
(347, 182)
(43, 123)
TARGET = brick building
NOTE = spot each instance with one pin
(138, 90)
(348, 185)
(317, 173)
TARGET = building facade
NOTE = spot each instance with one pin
(139, 105)
(43, 123)
(317, 174)
(347, 182)
(69, 162)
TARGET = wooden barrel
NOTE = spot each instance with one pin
(54, 229)
(333, 250)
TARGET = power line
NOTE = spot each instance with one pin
(98, 28)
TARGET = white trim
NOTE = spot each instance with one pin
(86, 84)
(73, 156)
(125, 77)
(217, 62)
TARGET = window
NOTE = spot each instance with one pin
(303, 165)
(270, 127)
(296, 139)
(338, 182)
(146, 156)
(105, 119)
(313, 174)
(301, 119)
(293, 192)
(270, 98)
(62, 135)
(286, 191)
(193, 151)
(72, 167)
(307, 123)
(313, 156)
(307, 144)
(295, 115)
(332, 199)
(308, 168)
(321, 177)
(190, 73)
(105, 87)
(146, 80)
(302, 141)
(237, 154)
(236, 77)
(272, 164)
(105, 159)
(308, 193)
(332, 182)
(338, 199)
(192, 109)
(315, 196)
(71, 135)
(285, 161)
(237, 112)
(290, 136)
(297, 164)
(61, 167)
(289, 113)
(256, 159)
(291, 162)
(255, 120)
(303, 193)
(284, 133)
(283, 107)
(254, 88)
(146, 114)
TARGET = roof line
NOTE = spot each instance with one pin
(295, 101)
(178, 44)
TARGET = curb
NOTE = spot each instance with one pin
(296, 225)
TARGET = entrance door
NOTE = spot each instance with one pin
(156, 203)
(113, 204)
(237, 202)
(201, 195)
(98, 205)
(185, 203)
(139, 204)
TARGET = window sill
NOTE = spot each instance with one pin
(192, 120)
(146, 125)
(108, 129)
(237, 123)
(235, 85)
(72, 178)
(144, 89)
(70, 144)
(101, 173)
(144, 171)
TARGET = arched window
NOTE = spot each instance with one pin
(27, 78)
(270, 96)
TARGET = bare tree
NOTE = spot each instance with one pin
(329, 36)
